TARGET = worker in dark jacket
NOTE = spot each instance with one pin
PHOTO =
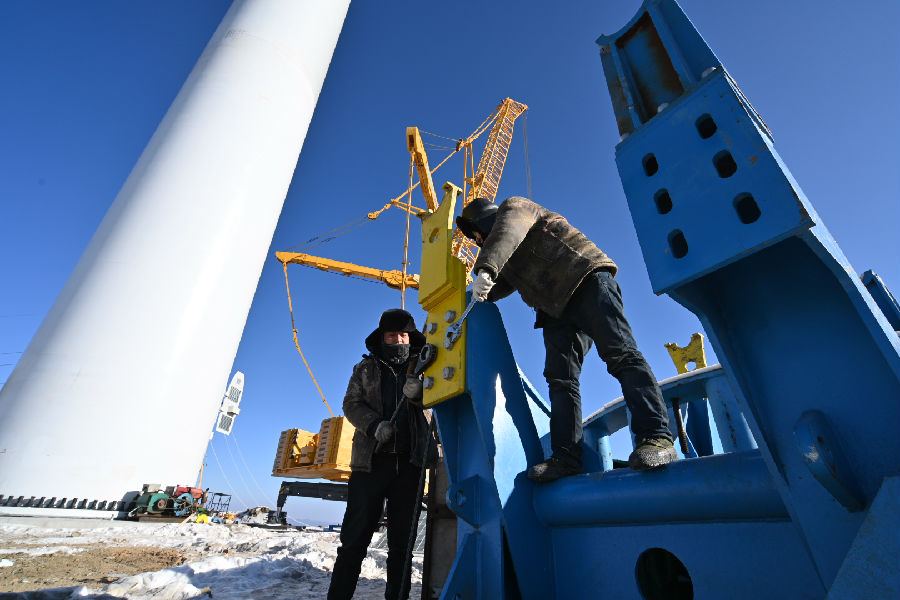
(571, 283)
(391, 441)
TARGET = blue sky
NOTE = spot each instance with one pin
(85, 85)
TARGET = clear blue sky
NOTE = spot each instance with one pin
(84, 85)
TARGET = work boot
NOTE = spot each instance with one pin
(551, 470)
(652, 453)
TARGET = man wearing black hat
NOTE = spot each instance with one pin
(571, 283)
(391, 442)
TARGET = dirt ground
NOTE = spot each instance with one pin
(92, 567)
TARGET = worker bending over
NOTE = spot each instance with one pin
(571, 282)
(391, 441)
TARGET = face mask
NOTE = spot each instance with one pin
(395, 354)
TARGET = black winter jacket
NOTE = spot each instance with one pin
(538, 253)
(364, 408)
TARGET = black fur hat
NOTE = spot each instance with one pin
(395, 319)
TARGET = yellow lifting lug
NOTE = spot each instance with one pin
(442, 294)
(694, 352)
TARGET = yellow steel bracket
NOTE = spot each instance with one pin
(442, 294)
(692, 353)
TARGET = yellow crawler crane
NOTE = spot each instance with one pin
(326, 454)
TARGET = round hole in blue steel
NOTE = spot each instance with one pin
(661, 576)
(678, 244)
(650, 164)
(747, 208)
(724, 164)
(663, 201)
(705, 126)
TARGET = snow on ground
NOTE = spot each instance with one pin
(238, 561)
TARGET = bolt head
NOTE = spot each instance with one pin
(428, 383)
(450, 316)
(432, 327)
(448, 373)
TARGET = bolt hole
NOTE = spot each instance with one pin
(747, 208)
(705, 126)
(650, 165)
(663, 201)
(678, 244)
(433, 235)
(661, 576)
(724, 163)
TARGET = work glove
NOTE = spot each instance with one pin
(412, 389)
(384, 431)
(483, 284)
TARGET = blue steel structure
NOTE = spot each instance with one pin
(791, 486)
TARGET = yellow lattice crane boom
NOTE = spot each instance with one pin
(417, 151)
(486, 179)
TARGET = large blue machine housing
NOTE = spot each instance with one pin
(791, 486)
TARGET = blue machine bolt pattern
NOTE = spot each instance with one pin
(798, 495)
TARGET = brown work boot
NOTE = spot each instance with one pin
(652, 453)
(551, 470)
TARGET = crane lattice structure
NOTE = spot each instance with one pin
(483, 184)
(486, 179)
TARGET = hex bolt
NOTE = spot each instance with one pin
(448, 345)
(428, 383)
(448, 373)
(432, 327)
(450, 316)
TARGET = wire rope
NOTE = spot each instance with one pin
(255, 482)
(247, 466)
(351, 225)
(527, 161)
(443, 137)
(297, 341)
(347, 227)
(237, 469)
(406, 238)
(225, 477)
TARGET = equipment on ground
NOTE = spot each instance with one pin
(218, 502)
(173, 501)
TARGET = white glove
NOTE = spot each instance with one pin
(384, 431)
(412, 389)
(481, 287)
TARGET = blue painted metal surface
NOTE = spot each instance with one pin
(489, 436)
(883, 298)
(791, 483)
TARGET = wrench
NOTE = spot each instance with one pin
(455, 330)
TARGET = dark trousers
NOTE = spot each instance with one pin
(395, 479)
(595, 313)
